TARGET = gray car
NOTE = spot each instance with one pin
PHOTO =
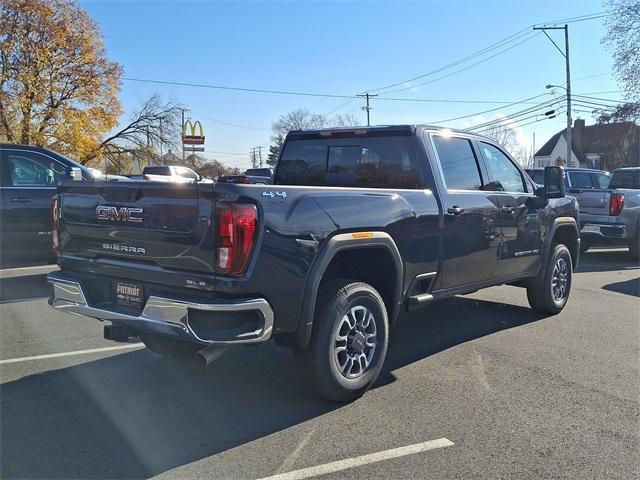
(612, 216)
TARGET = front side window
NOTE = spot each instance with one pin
(458, 162)
(186, 173)
(505, 176)
(28, 169)
(601, 180)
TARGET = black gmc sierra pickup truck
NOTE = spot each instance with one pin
(358, 225)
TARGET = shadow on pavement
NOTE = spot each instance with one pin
(446, 324)
(606, 260)
(139, 415)
(23, 288)
(628, 287)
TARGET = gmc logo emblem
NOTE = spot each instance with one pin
(122, 214)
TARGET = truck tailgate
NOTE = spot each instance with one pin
(163, 224)
(594, 202)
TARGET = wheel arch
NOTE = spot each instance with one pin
(341, 254)
(564, 230)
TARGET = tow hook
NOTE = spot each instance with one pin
(211, 353)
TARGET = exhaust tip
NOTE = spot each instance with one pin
(211, 353)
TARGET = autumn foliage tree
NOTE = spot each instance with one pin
(58, 89)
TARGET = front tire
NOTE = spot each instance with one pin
(348, 344)
(549, 292)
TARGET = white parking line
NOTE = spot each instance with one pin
(69, 354)
(363, 460)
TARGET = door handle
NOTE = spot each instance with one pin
(20, 200)
(454, 210)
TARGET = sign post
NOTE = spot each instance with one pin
(192, 134)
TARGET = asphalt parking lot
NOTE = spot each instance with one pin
(495, 391)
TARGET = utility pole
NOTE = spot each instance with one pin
(368, 108)
(252, 154)
(182, 134)
(565, 54)
(260, 154)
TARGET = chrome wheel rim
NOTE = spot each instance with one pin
(355, 341)
(560, 279)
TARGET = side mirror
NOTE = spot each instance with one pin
(554, 182)
(76, 174)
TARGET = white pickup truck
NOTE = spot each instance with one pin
(170, 173)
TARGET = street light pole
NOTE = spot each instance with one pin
(565, 54)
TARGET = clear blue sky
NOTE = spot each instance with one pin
(345, 48)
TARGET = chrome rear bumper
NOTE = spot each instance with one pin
(167, 316)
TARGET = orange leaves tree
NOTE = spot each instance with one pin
(58, 89)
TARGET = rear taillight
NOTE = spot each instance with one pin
(55, 223)
(616, 202)
(236, 233)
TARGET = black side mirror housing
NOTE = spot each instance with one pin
(554, 182)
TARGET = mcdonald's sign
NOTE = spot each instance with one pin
(189, 131)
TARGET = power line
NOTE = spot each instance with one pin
(499, 44)
(515, 123)
(228, 123)
(515, 115)
(442, 100)
(491, 47)
(342, 104)
(490, 110)
(581, 18)
(592, 76)
(464, 68)
(237, 89)
(559, 111)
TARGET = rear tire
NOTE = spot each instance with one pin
(167, 347)
(348, 344)
(549, 292)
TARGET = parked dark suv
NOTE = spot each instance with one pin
(29, 176)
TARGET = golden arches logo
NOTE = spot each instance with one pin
(192, 129)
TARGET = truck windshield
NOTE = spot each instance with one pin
(626, 179)
(379, 162)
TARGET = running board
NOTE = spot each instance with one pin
(418, 301)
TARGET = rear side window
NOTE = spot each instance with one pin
(580, 179)
(458, 163)
(379, 162)
(625, 179)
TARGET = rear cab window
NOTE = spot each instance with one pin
(350, 161)
(626, 179)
